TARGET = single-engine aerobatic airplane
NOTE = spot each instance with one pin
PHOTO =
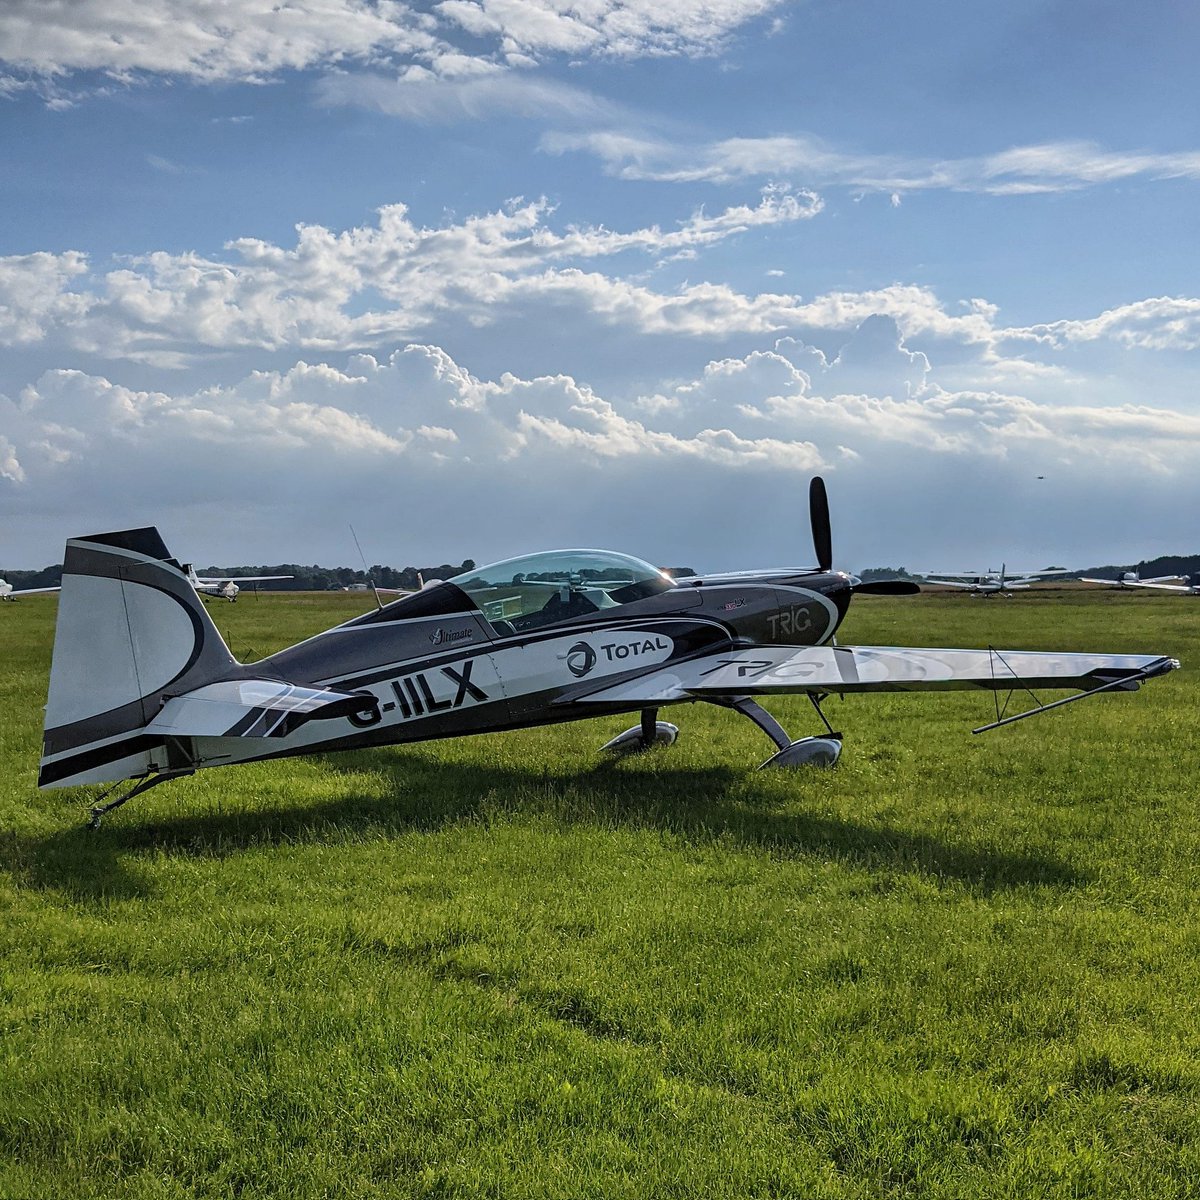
(8, 592)
(990, 583)
(1164, 583)
(225, 586)
(143, 688)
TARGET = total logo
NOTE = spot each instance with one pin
(583, 657)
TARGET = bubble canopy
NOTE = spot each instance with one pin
(557, 585)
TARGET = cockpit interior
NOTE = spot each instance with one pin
(535, 590)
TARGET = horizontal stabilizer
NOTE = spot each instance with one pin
(766, 670)
(255, 708)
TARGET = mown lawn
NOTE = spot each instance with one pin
(954, 966)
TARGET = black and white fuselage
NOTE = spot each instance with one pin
(452, 674)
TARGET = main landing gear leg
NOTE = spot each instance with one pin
(809, 751)
(651, 732)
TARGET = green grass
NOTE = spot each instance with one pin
(953, 966)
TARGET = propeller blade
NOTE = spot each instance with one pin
(887, 587)
(818, 514)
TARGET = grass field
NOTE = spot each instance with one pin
(954, 966)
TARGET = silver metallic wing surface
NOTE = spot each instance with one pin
(253, 708)
(764, 670)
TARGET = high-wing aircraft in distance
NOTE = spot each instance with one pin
(143, 688)
(8, 592)
(225, 586)
(421, 583)
(990, 583)
(1131, 579)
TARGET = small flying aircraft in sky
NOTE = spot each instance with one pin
(990, 583)
(144, 689)
(1131, 579)
(225, 586)
(8, 592)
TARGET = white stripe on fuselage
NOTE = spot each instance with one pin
(423, 691)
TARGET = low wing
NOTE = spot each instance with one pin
(32, 591)
(1157, 581)
(943, 577)
(1161, 587)
(767, 670)
(949, 582)
(260, 708)
(217, 581)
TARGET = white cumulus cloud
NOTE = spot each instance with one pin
(424, 455)
(210, 40)
(371, 285)
(220, 41)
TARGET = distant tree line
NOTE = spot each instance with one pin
(872, 573)
(326, 579)
(307, 579)
(46, 577)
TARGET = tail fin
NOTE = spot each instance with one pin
(131, 633)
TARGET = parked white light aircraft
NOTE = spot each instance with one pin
(8, 592)
(225, 585)
(422, 583)
(1131, 579)
(990, 583)
(1189, 588)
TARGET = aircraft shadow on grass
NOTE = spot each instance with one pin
(426, 794)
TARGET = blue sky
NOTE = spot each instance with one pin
(488, 275)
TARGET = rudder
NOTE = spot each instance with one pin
(131, 632)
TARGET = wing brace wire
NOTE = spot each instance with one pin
(1126, 683)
